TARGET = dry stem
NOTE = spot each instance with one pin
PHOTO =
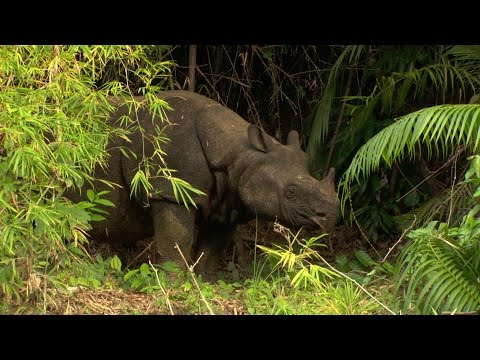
(192, 274)
(167, 300)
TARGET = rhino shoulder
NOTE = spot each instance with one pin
(222, 134)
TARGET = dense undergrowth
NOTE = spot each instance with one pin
(292, 279)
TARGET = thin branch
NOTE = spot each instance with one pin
(147, 248)
(447, 163)
(192, 274)
(212, 86)
(359, 227)
(451, 188)
(167, 300)
(400, 239)
(360, 286)
(425, 172)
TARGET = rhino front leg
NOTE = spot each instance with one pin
(172, 224)
(212, 240)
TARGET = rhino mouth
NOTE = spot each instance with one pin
(308, 219)
(318, 220)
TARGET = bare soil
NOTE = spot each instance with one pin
(117, 302)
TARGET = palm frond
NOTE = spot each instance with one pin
(321, 114)
(468, 56)
(440, 128)
(440, 275)
(465, 52)
(391, 91)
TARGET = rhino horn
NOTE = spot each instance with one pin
(328, 182)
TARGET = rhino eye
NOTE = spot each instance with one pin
(290, 191)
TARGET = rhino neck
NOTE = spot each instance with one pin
(227, 204)
(255, 193)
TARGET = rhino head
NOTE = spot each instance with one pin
(276, 185)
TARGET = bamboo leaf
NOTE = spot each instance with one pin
(90, 195)
(104, 202)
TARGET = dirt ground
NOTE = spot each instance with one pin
(83, 301)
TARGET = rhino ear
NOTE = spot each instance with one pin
(328, 182)
(257, 139)
(293, 139)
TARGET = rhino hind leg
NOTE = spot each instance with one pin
(173, 224)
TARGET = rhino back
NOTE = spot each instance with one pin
(206, 139)
(221, 133)
(184, 151)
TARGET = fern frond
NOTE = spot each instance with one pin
(438, 128)
(440, 275)
(468, 56)
(465, 52)
(391, 91)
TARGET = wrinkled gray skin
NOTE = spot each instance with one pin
(244, 172)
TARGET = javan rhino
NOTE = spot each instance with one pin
(243, 172)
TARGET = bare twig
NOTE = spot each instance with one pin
(451, 188)
(359, 227)
(400, 239)
(426, 173)
(447, 163)
(212, 86)
(220, 77)
(167, 300)
(360, 286)
(192, 274)
(147, 248)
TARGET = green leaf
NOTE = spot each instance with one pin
(342, 262)
(356, 265)
(171, 266)
(364, 258)
(137, 282)
(96, 217)
(431, 126)
(90, 195)
(131, 273)
(98, 210)
(116, 263)
(76, 250)
(85, 205)
(104, 202)
(389, 267)
(145, 270)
